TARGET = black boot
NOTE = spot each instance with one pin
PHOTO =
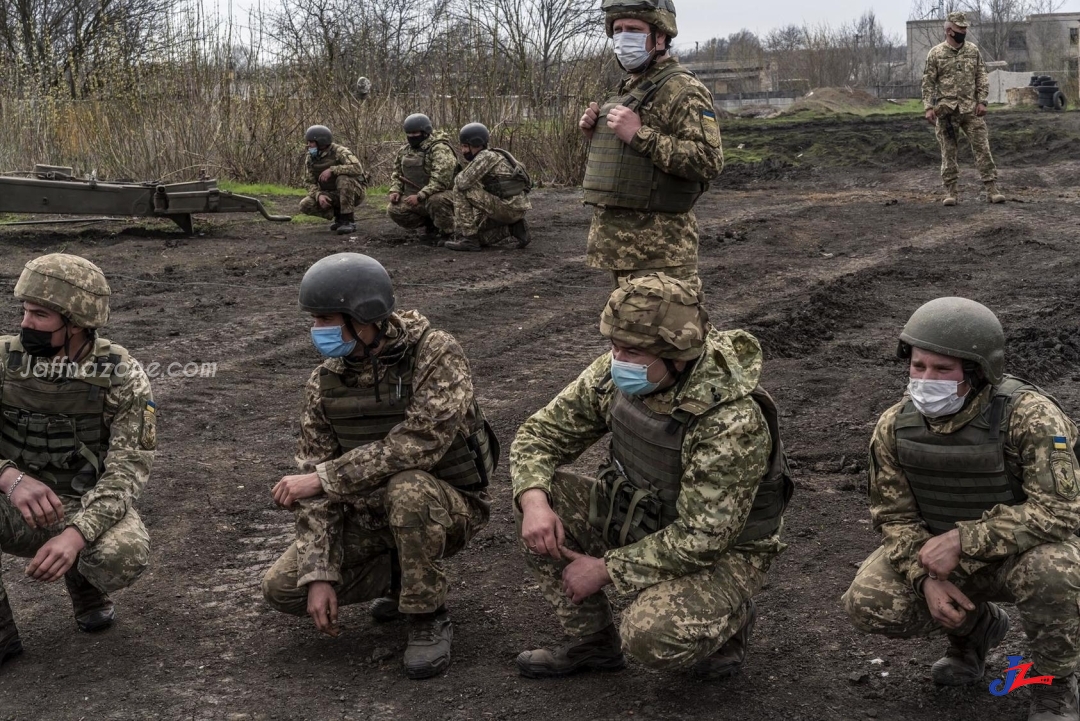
(93, 609)
(428, 652)
(347, 224)
(600, 651)
(10, 645)
(965, 660)
(336, 224)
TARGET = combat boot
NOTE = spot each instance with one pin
(951, 196)
(965, 660)
(93, 609)
(520, 231)
(728, 659)
(1056, 702)
(336, 224)
(385, 609)
(428, 652)
(347, 225)
(10, 645)
(600, 651)
(992, 194)
(464, 243)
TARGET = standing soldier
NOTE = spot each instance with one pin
(77, 441)
(395, 458)
(974, 488)
(490, 195)
(687, 511)
(655, 145)
(423, 176)
(334, 179)
(954, 90)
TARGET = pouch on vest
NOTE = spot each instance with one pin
(508, 187)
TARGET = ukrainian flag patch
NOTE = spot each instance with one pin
(151, 406)
(1061, 443)
(710, 128)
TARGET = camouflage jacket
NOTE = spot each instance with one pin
(440, 163)
(682, 141)
(956, 77)
(487, 162)
(1051, 513)
(132, 425)
(345, 163)
(724, 456)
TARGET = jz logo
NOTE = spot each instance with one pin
(1016, 676)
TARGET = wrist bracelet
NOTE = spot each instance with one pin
(15, 485)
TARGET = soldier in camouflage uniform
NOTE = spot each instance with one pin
(421, 182)
(334, 179)
(686, 512)
(954, 92)
(395, 458)
(974, 488)
(77, 440)
(654, 147)
(491, 195)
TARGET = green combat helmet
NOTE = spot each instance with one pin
(657, 314)
(72, 286)
(658, 13)
(960, 328)
(350, 283)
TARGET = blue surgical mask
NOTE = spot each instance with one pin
(329, 342)
(313, 152)
(632, 378)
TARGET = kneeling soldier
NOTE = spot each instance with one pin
(334, 179)
(422, 180)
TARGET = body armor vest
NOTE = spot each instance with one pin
(413, 170)
(618, 176)
(507, 186)
(55, 430)
(638, 490)
(360, 416)
(316, 165)
(957, 476)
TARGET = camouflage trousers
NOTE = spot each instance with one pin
(1043, 582)
(426, 520)
(671, 625)
(113, 561)
(487, 217)
(688, 272)
(347, 194)
(975, 129)
(437, 210)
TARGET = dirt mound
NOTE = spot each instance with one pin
(834, 100)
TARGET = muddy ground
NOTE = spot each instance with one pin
(823, 265)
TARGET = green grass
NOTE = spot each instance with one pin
(260, 189)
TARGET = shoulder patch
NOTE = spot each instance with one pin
(710, 128)
(1061, 467)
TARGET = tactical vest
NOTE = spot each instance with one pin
(618, 176)
(957, 476)
(507, 186)
(360, 416)
(55, 430)
(638, 490)
(413, 169)
(319, 163)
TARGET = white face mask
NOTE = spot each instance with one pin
(631, 52)
(935, 398)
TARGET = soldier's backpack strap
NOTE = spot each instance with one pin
(644, 93)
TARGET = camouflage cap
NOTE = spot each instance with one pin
(959, 328)
(657, 314)
(658, 13)
(957, 19)
(68, 284)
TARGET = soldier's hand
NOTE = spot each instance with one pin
(947, 604)
(625, 122)
(291, 489)
(325, 202)
(57, 556)
(588, 120)
(931, 116)
(412, 200)
(324, 176)
(584, 576)
(322, 606)
(541, 528)
(980, 110)
(394, 198)
(941, 554)
(37, 503)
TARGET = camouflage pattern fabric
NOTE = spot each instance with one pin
(437, 209)
(975, 129)
(478, 213)
(680, 141)
(725, 454)
(671, 624)
(68, 284)
(439, 164)
(346, 185)
(956, 77)
(687, 273)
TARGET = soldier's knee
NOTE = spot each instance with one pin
(652, 640)
(117, 560)
(409, 493)
(308, 206)
(872, 610)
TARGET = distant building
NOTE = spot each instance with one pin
(735, 76)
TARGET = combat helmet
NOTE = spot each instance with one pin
(474, 134)
(658, 13)
(418, 123)
(72, 286)
(960, 328)
(350, 283)
(320, 135)
(657, 314)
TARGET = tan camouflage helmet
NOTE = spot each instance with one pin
(68, 284)
(658, 13)
(957, 19)
(657, 314)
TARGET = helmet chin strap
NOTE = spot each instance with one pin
(369, 349)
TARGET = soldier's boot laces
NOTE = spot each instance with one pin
(93, 609)
(728, 659)
(10, 645)
(428, 652)
(463, 243)
(385, 610)
(600, 651)
(965, 660)
(1056, 702)
(993, 195)
(520, 231)
(951, 195)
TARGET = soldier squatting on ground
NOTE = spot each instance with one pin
(395, 459)
(423, 177)
(77, 439)
(974, 488)
(334, 179)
